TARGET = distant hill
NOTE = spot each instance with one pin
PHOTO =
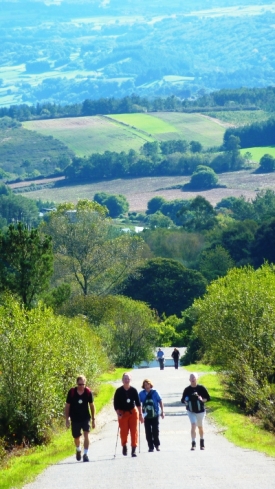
(68, 51)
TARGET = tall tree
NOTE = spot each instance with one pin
(166, 285)
(26, 263)
(89, 247)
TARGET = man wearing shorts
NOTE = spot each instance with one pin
(194, 397)
(79, 409)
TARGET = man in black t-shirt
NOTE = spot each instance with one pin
(194, 397)
(79, 409)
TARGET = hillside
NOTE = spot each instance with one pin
(68, 51)
(86, 135)
(28, 153)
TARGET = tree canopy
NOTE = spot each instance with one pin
(165, 285)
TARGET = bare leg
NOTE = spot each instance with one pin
(86, 440)
(77, 442)
(193, 431)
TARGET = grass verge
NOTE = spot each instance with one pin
(241, 430)
(22, 468)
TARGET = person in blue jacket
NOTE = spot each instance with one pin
(152, 408)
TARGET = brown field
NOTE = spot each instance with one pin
(140, 190)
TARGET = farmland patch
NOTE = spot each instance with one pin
(258, 152)
(140, 190)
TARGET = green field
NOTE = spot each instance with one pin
(87, 135)
(259, 151)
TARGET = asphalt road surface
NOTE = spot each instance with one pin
(221, 465)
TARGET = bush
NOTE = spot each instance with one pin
(40, 356)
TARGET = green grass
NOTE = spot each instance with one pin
(200, 367)
(17, 471)
(87, 135)
(145, 122)
(241, 430)
(259, 151)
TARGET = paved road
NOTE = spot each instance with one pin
(220, 466)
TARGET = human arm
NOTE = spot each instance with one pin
(67, 414)
(203, 394)
(92, 408)
(162, 409)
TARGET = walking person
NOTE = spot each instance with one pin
(128, 408)
(79, 409)
(176, 355)
(194, 397)
(160, 358)
(152, 408)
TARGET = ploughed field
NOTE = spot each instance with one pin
(139, 191)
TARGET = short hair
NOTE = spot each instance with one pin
(126, 373)
(147, 381)
(194, 374)
(81, 377)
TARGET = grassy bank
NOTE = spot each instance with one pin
(21, 468)
(241, 430)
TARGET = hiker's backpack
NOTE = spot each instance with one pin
(148, 408)
(74, 389)
(194, 404)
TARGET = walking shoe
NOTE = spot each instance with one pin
(124, 450)
(78, 455)
(150, 450)
(202, 447)
(134, 452)
(193, 447)
(157, 449)
(85, 458)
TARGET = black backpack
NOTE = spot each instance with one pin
(194, 404)
(148, 406)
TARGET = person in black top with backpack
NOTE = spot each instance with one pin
(194, 397)
(79, 409)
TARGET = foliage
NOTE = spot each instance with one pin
(116, 204)
(175, 243)
(198, 215)
(159, 220)
(128, 328)
(165, 285)
(26, 262)
(131, 334)
(267, 163)
(90, 249)
(214, 263)
(40, 357)
(256, 134)
(15, 208)
(263, 244)
(236, 328)
(203, 178)
(154, 204)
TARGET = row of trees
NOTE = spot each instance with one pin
(256, 134)
(152, 161)
(240, 98)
